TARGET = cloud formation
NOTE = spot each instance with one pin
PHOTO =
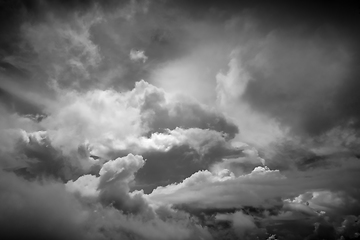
(178, 120)
(137, 55)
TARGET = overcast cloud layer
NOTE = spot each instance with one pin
(179, 120)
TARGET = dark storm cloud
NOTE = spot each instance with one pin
(80, 130)
(300, 78)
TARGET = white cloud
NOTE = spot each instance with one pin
(260, 188)
(107, 121)
(97, 117)
(240, 163)
(191, 74)
(86, 186)
(121, 169)
(138, 55)
(332, 202)
(199, 139)
(222, 189)
(113, 182)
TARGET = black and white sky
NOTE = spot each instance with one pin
(179, 119)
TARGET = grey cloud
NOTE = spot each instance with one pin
(27, 150)
(182, 112)
(242, 223)
(297, 83)
(27, 210)
(267, 187)
(67, 150)
(68, 61)
(137, 55)
(46, 210)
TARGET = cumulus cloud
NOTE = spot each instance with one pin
(260, 188)
(112, 185)
(69, 143)
(202, 140)
(222, 189)
(78, 117)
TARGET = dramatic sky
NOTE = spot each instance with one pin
(179, 120)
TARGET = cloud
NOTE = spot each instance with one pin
(256, 128)
(13, 129)
(279, 79)
(137, 55)
(240, 163)
(70, 144)
(241, 222)
(201, 140)
(222, 189)
(46, 210)
(289, 76)
(112, 185)
(162, 111)
(27, 210)
(71, 54)
(350, 227)
(86, 186)
(246, 115)
(325, 201)
(78, 117)
(129, 227)
(260, 188)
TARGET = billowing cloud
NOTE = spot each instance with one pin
(221, 190)
(260, 188)
(245, 124)
(241, 222)
(112, 185)
(78, 117)
(46, 210)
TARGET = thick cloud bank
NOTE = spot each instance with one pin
(178, 120)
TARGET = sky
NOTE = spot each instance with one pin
(179, 120)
